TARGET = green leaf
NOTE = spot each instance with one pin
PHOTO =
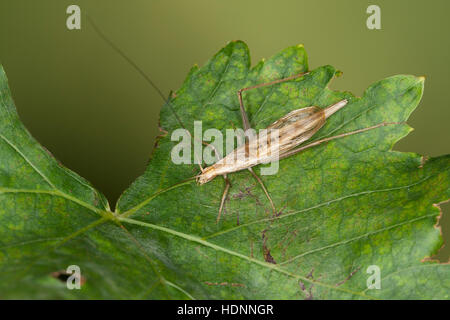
(342, 206)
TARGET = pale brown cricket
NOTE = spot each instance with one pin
(293, 129)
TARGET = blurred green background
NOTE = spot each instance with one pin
(99, 117)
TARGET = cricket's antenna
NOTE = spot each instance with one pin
(134, 65)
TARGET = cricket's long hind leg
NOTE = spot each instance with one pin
(257, 178)
(224, 197)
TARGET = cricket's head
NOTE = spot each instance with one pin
(207, 175)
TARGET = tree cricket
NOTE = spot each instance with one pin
(293, 129)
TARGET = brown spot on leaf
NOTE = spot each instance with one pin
(307, 292)
(266, 251)
(348, 278)
(62, 276)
